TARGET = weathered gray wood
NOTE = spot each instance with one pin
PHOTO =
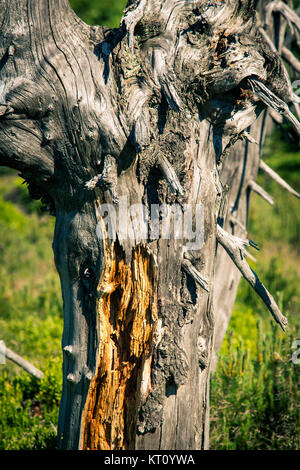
(266, 169)
(21, 362)
(235, 248)
(235, 221)
(151, 115)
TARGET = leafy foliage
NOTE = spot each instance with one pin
(104, 12)
(255, 398)
(29, 409)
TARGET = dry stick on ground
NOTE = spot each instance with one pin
(20, 361)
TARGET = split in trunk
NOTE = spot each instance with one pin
(128, 135)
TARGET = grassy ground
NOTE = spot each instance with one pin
(255, 390)
(30, 319)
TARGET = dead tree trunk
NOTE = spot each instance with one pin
(123, 133)
(241, 168)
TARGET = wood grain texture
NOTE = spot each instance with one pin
(127, 320)
(153, 113)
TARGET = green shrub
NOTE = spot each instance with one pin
(254, 399)
(30, 320)
(29, 409)
(106, 12)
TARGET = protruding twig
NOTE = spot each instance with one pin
(250, 138)
(235, 221)
(194, 273)
(68, 350)
(170, 175)
(264, 167)
(235, 247)
(11, 51)
(253, 244)
(89, 376)
(296, 99)
(271, 100)
(248, 255)
(5, 109)
(166, 78)
(133, 14)
(27, 366)
(291, 59)
(107, 179)
(280, 7)
(261, 192)
(277, 118)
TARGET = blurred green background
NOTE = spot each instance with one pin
(255, 389)
(101, 12)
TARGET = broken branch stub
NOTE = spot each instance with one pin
(261, 192)
(270, 172)
(271, 100)
(277, 6)
(291, 59)
(21, 362)
(235, 249)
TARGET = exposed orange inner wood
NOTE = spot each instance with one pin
(127, 317)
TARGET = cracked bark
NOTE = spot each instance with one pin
(152, 113)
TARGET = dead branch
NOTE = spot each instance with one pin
(261, 192)
(265, 168)
(20, 361)
(271, 100)
(235, 247)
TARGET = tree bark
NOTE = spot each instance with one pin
(247, 158)
(138, 122)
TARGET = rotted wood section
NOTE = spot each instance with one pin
(127, 324)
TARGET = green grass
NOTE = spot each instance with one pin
(106, 12)
(255, 389)
(30, 320)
